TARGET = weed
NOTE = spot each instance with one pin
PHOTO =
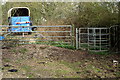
(117, 74)
(18, 61)
(26, 68)
(1, 68)
(30, 75)
(61, 72)
(28, 71)
(14, 50)
(93, 68)
(23, 50)
(66, 46)
(98, 70)
(6, 60)
(84, 45)
(101, 52)
(43, 47)
(58, 44)
(71, 65)
(76, 77)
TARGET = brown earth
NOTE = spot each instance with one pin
(35, 61)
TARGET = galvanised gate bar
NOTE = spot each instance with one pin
(61, 34)
(93, 39)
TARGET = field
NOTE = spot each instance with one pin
(43, 61)
(57, 59)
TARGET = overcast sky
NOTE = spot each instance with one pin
(4, 1)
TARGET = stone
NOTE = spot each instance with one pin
(7, 65)
(13, 70)
(42, 62)
(78, 72)
(112, 70)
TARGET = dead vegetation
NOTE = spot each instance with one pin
(43, 61)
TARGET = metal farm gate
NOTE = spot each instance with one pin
(93, 39)
(55, 35)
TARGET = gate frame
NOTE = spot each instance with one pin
(78, 38)
(57, 26)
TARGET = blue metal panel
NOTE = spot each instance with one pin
(22, 20)
(1, 38)
(21, 29)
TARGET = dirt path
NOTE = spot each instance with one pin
(44, 61)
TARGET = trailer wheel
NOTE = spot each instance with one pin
(29, 33)
(34, 28)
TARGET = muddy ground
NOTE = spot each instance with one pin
(43, 61)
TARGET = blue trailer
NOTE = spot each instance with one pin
(2, 37)
(19, 19)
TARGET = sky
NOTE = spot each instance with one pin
(4, 1)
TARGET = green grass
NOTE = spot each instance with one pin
(14, 50)
(66, 46)
(100, 53)
(59, 72)
(95, 49)
(26, 68)
(30, 75)
(58, 44)
(93, 68)
(71, 65)
(76, 77)
(22, 50)
(28, 71)
(6, 60)
(98, 70)
(84, 45)
(117, 74)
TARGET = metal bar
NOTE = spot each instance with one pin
(71, 36)
(36, 37)
(34, 31)
(83, 33)
(42, 40)
(98, 43)
(34, 40)
(100, 38)
(41, 43)
(88, 38)
(94, 37)
(94, 28)
(109, 39)
(83, 43)
(96, 34)
(37, 26)
(98, 50)
(76, 38)
(79, 38)
(100, 46)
